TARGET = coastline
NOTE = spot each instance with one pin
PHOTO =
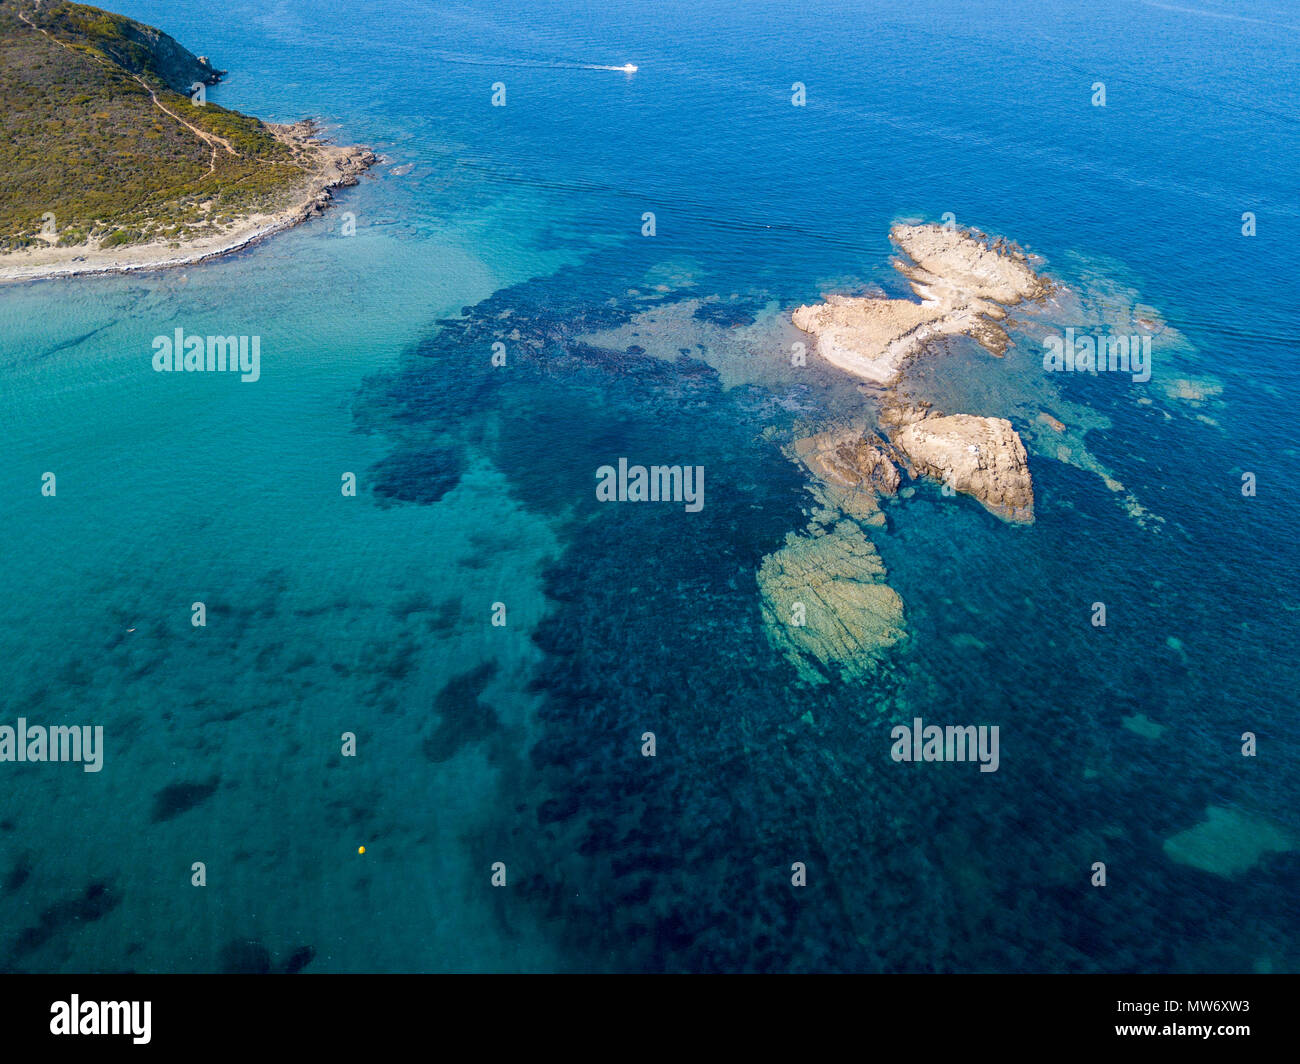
(333, 167)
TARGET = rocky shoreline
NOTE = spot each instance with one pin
(330, 167)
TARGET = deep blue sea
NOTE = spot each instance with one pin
(520, 745)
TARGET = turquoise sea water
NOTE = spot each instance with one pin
(521, 744)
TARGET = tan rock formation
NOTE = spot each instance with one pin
(981, 456)
(963, 282)
(823, 594)
(965, 264)
(849, 460)
(826, 605)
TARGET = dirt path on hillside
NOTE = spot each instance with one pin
(211, 139)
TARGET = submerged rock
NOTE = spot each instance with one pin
(826, 605)
(852, 468)
(851, 459)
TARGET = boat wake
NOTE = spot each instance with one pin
(535, 64)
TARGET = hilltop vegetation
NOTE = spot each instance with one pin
(97, 128)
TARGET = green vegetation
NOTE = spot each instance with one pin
(82, 138)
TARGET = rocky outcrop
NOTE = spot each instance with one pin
(331, 166)
(963, 282)
(867, 337)
(178, 67)
(852, 459)
(962, 264)
(980, 456)
(823, 594)
(336, 166)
